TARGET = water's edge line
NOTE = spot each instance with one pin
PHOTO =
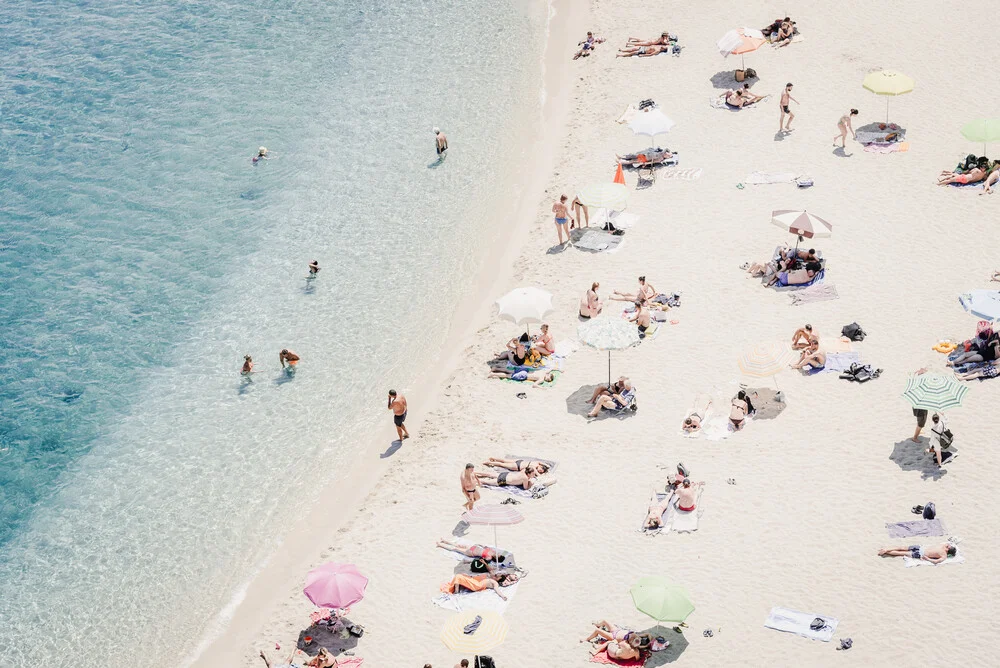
(254, 602)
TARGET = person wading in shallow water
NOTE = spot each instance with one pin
(397, 404)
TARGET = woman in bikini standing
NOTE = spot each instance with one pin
(561, 217)
(738, 413)
(844, 124)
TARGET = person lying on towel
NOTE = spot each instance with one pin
(620, 643)
(492, 580)
(935, 554)
(651, 156)
(654, 514)
(797, 276)
(523, 479)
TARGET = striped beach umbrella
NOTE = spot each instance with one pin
(608, 333)
(493, 515)
(765, 360)
(657, 597)
(604, 195)
(485, 634)
(983, 304)
(934, 392)
(802, 223)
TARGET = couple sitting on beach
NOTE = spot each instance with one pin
(979, 357)
(665, 43)
(780, 31)
(620, 643)
(741, 97)
(527, 351)
(614, 397)
(789, 267)
(972, 170)
(807, 341)
(679, 486)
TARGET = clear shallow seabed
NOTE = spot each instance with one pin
(142, 255)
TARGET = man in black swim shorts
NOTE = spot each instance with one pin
(397, 404)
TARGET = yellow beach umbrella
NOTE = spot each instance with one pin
(489, 632)
(888, 83)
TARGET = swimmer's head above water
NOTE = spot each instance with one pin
(262, 152)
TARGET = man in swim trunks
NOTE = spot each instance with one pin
(397, 404)
(541, 468)
(524, 479)
(687, 495)
(786, 98)
(642, 51)
(440, 142)
(314, 267)
(562, 217)
(641, 318)
(935, 554)
(287, 355)
(470, 486)
(247, 365)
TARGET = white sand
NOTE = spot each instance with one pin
(801, 527)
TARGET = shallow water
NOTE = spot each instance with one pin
(142, 255)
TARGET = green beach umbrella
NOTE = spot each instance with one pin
(656, 597)
(982, 129)
(933, 392)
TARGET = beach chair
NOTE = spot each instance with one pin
(646, 173)
(626, 408)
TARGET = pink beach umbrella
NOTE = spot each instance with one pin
(493, 515)
(335, 585)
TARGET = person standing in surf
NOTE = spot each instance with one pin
(247, 365)
(313, 268)
(397, 404)
(441, 143)
(287, 355)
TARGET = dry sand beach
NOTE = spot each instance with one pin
(814, 487)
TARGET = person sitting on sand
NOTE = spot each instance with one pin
(641, 318)
(699, 409)
(643, 51)
(662, 40)
(991, 178)
(621, 644)
(687, 495)
(650, 156)
(515, 354)
(804, 337)
(587, 45)
(541, 468)
(537, 378)
(740, 408)
(785, 32)
(986, 348)
(749, 95)
(656, 510)
(475, 551)
(616, 401)
(645, 293)
(523, 479)
(796, 276)
(590, 305)
(543, 342)
(322, 660)
(461, 582)
(935, 554)
(811, 356)
(617, 387)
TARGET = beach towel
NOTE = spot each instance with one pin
(764, 178)
(816, 293)
(598, 241)
(792, 621)
(839, 362)
(555, 376)
(664, 518)
(909, 562)
(602, 657)
(477, 600)
(686, 521)
(349, 662)
(915, 528)
(688, 174)
(977, 184)
(901, 147)
(817, 279)
(622, 220)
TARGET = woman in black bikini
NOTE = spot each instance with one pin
(515, 353)
(541, 468)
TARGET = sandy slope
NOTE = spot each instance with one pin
(814, 487)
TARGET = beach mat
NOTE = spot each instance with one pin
(688, 174)
(792, 621)
(915, 528)
(664, 518)
(686, 521)
(477, 600)
(603, 658)
(910, 562)
(597, 241)
(839, 362)
(815, 293)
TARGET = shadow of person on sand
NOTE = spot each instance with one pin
(780, 135)
(727, 80)
(392, 449)
(558, 248)
(841, 152)
(910, 456)
(678, 643)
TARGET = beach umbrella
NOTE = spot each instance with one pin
(765, 360)
(983, 304)
(740, 41)
(462, 634)
(335, 585)
(802, 223)
(523, 306)
(982, 129)
(493, 515)
(657, 597)
(608, 333)
(650, 123)
(934, 392)
(619, 175)
(888, 83)
(605, 195)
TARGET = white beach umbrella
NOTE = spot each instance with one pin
(609, 333)
(650, 123)
(523, 306)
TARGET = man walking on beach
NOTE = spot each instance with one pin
(562, 217)
(397, 404)
(786, 96)
(441, 142)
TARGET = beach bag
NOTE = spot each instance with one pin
(930, 512)
(740, 75)
(946, 439)
(646, 103)
(485, 662)
(356, 630)
(853, 332)
(804, 182)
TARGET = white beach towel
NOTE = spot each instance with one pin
(792, 621)
(624, 221)
(909, 562)
(686, 521)
(764, 178)
(477, 600)
(688, 174)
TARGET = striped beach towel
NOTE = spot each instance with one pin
(689, 174)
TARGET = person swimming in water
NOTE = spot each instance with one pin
(247, 365)
(287, 355)
(314, 267)
(261, 155)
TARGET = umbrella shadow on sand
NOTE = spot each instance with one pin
(323, 636)
(578, 403)
(765, 403)
(726, 80)
(678, 643)
(910, 456)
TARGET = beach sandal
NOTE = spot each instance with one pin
(707, 633)
(917, 510)
(730, 481)
(846, 643)
(522, 395)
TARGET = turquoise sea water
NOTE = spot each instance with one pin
(142, 255)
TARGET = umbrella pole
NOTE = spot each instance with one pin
(609, 369)
(496, 548)
(743, 62)
(887, 109)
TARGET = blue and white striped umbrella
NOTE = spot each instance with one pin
(609, 333)
(934, 392)
(983, 304)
